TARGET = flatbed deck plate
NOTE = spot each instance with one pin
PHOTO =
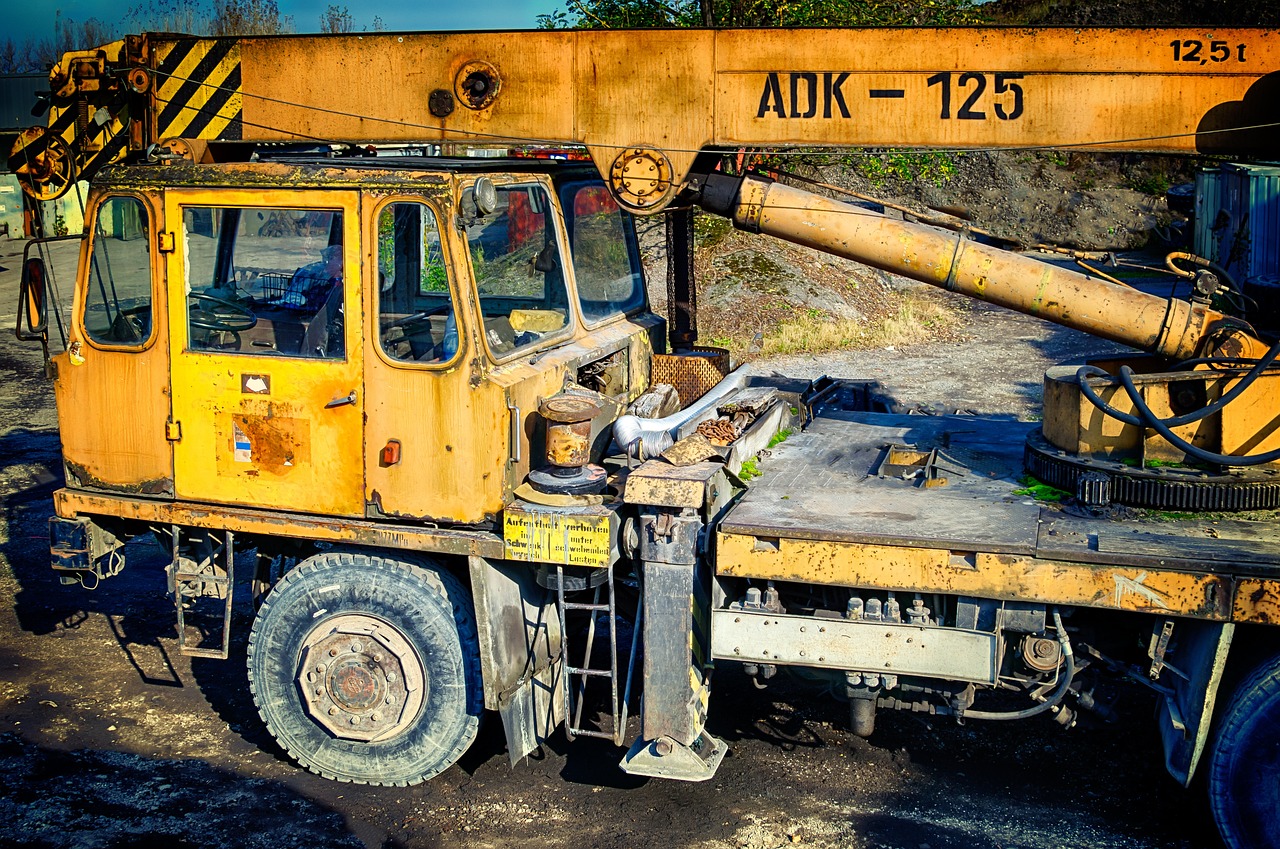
(819, 485)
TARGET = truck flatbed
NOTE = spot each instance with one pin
(820, 489)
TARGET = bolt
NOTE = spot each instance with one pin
(391, 699)
(311, 677)
(391, 677)
(320, 667)
(356, 648)
(376, 716)
(377, 658)
(333, 652)
(355, 720)
(662, 746)
(333, 711)
(319, 692)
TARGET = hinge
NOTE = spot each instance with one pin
(165, 242)
(173, 430)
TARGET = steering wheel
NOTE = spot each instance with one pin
(418, 317)
(222, 315)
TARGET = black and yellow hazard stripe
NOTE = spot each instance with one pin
(198, 90)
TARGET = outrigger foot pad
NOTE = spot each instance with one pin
(667, 758)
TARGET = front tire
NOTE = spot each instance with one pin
(1244, 774)
(365, 668)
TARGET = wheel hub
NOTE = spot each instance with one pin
(360, 678)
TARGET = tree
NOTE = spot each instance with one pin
(248, 17)
(336, 19)
(9, 57)
(608, 14)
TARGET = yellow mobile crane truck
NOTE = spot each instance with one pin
(410, 382)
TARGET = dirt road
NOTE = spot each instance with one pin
(110, 738)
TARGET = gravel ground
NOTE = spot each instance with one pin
(110, 738)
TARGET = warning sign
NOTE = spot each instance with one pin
(547, 537)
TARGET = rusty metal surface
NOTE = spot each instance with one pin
(1257, 600)
(660, 484)
(69, 503)
(819, 485)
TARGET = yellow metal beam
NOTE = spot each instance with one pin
(70, 503)
(676, 92)
(1201, 595)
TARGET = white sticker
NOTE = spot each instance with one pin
(243, 448)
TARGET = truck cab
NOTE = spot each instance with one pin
(360, 339)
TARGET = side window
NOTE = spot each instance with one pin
(264, 281)
(606, 256)
(117, 309)
(416, 321)
(515, 257)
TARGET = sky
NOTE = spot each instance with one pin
(35, 18)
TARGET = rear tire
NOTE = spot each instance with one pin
(366, 669)
(1244, 771)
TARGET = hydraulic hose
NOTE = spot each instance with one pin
(1177, 421)
(1056, 697)
(1147, 418)
(1160, 427)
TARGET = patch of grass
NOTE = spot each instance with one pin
(779, 437)
(929, 166)
(918, 317)
(1154, 183)
(1039, 490)
(750, 469)
(710, 230)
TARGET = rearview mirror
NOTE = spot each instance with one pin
(33, 313)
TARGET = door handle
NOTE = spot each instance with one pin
(343, 401)
(513, 436)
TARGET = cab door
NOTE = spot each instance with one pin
(265, 316)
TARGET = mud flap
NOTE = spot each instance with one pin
(520, 652)
(1186, 714)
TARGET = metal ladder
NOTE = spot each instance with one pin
(190, 585)
(580, 675)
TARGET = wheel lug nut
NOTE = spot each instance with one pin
(333, 652)
(391, 699)
(376, 716)
(355, 720)
(377, 658)
(319, 692)
(333, 711)
(391, 677)
(320, 668)
(311, 677)
(356, 648)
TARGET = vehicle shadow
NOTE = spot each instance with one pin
(54, 799)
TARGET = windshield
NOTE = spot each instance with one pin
(606, 258)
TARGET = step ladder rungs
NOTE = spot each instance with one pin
(577, 605)
(602, 673)
(227, 551)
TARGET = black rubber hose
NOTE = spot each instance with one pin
(1161, 427)
(1068, 673)
(1244, 383)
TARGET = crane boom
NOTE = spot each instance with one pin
(646, 102)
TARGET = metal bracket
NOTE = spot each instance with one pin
(667, 758)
